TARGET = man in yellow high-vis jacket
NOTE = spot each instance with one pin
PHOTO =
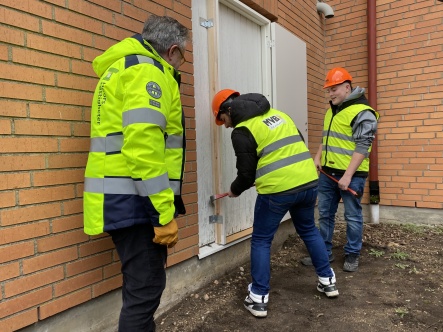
(271, 153)
(134, 172)
(349, 128)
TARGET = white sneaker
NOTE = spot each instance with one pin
(257, 305)
(327, 285)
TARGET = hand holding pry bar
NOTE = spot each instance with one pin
(353, 192)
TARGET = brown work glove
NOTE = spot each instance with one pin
(166, 235)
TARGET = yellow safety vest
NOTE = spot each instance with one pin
(338, 144)
(284, 160)
(137, 154)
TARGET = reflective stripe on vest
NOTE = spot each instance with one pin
(109, 144)
(132, 60)
(279, 144)
(282, 163)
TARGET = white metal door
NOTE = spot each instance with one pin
(244, 65)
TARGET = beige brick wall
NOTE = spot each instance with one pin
(47, 263)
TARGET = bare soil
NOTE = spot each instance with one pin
(398, 287)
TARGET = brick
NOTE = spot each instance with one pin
(74, 145)
(54, 177)
(42, 128)
(84, 68)
(71, 18)
(9, 271)
(20, 20)
(69, 34)
(23, 91)
(88, 263)
(134, 12)
(40, 59)
(182, 256)
(82, 129)
(43, 195)
(68, 97)
(96, 246)
(63, 303)
(31, 7)
(4, 52)
(5, 127)
(15, 72)
(21, 163)
(7, 199)
(61, 240)
(73, 206)
(107, 286)
(101, 10)
(76, 82)
(36, 280)
(112, 270)
(67, 223)
(13, 108)
(15, 251)
(10, 307)
(67, 160)
(10, 36)
(72, 284)
(29, 213)
(59, 112)
(23, 232)
(188, 231)
(44, 261)
(51, 45)
(19, 144)
(19, 321)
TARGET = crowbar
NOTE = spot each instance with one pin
(353, 192)
(214, 197)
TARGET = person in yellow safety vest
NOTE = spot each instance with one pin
(134, 173)
(349, 128)
(271, 153)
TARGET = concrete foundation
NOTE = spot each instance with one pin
(101, 314)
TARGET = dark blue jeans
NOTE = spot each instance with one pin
(329, 196)
(144, 277)
(269, 211)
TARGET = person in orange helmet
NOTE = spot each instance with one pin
(271, 153)
(349, 128)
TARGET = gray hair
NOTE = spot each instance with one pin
(163, 31)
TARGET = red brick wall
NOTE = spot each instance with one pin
(409, 48)
(47, 263)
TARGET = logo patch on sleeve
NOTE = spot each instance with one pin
(154, 103)
(154, 90)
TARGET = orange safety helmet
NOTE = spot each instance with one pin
(336, 76)
(219, 98)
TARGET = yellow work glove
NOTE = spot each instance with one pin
(166, 235)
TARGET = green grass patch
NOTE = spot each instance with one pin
(400, 255)
(376, 253)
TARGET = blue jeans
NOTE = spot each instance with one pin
(329, 196)
(269, 211)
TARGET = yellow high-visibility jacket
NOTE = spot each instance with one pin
(338, 145)
(284, 160)
(136, 160)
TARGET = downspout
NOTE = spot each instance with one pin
(374, 189)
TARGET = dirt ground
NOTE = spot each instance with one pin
(398, 287)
